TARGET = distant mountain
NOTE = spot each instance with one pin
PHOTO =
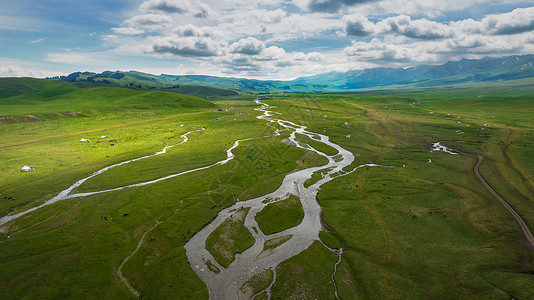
(453, 72)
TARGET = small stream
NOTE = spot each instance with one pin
(225, 285)
(66, 194)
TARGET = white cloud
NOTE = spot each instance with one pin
(37, 40)
(358, 25)
(427, 8)
(269, 16)
(149, 20)
(187, 47)
(248, 46)
(192, 30)
(166, 6)
(330, 6)
(250, 39)
(127, 30)
(518, 21)
(417, 29)
(10, 68)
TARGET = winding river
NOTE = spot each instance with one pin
(226, 283)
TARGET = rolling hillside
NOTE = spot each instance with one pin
(453, 72)
(29, 99)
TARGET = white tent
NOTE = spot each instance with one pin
(84, 140)
(26, 169)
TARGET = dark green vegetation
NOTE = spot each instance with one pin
(280, 215)
(426, 230)
(453, 72)
(229, 238)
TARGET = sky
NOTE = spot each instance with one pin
(263, 39)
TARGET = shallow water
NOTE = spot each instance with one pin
(225, 284)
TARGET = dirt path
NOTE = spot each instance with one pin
(522, 224)
(135, 292)
(526, 231)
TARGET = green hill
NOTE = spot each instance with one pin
(140, 80)
(28, 99)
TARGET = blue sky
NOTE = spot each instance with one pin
(265, 39)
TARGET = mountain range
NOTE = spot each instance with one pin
(453, 72)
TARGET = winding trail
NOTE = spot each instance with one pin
(124, 280)
(526, 231)
(226, 283)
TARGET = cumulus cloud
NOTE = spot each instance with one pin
(269, 16)
(417, 29)
(332, 5)
(188, 47)
(315, 56)
(191, 30)
(166, 6)
(148, 20)
(358, 25)
(248, 46)
(380, 52)
(517, 21)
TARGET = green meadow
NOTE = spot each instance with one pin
(419, 226)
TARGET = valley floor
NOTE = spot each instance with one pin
(421, 225)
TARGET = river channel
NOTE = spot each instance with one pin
(226, 283)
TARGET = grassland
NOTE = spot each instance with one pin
(420, 226)
(419, 229)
